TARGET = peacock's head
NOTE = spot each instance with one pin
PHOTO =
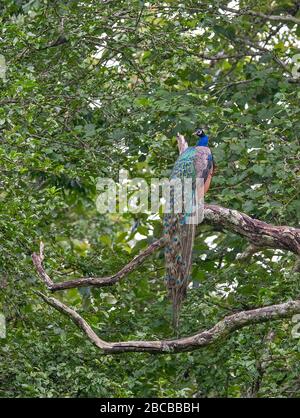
(199, 132)
(202, 138)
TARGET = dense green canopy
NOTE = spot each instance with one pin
(89, 88)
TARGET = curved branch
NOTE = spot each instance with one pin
(202, 339)
(260, 234)
(93, 281)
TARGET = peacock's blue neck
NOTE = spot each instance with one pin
(202, 141)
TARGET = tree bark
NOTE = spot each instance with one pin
(258, 233)
(202, 339)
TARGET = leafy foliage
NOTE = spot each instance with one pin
(88, 88)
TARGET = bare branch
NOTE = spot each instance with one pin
(265, 50)
(94, 281)
(8, 101)
(275, 18)
(202, 339)
(234, 83)
(222, 56)
(260, 234)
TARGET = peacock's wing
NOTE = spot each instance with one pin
(184, 165)
(203, 163)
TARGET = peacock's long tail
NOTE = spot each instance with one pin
(179, 236)
(194, 164)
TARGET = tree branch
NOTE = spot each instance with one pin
(222, 56)
(275, 18)
(93, 281)
(258, 233)
(234, 83)
(202, 339)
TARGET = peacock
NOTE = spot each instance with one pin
(195, 163)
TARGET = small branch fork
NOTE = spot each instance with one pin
(259, 234)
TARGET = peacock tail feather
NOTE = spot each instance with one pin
(179, 233)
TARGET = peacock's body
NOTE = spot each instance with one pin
(196, 164)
